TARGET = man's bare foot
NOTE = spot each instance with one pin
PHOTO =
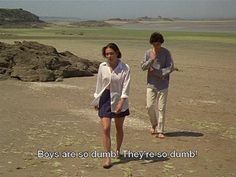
(153, 131)
(160, 135)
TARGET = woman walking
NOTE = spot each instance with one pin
(111, 97)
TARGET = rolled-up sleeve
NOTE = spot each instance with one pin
(167, 69)
(146, 63)
(126, 84)
(169, 65)
(99, 82)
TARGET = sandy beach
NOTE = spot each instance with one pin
(50, 129)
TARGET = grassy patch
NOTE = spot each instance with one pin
(107, 33)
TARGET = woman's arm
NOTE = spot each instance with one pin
(125, 91)
(99, 82)
(126, 84)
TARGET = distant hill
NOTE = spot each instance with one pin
(91, 23)
(145, 18)
(18, 17)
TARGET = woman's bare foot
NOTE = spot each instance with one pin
(118, 155)
(107, 163)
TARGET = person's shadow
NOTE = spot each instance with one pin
(183, 133)
(145, 160)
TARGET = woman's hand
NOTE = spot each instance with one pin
(96, 108)
(119, 105)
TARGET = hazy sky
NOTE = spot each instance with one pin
(103, 9)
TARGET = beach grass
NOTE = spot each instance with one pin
(111, 33)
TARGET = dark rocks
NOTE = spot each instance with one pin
(32, 61)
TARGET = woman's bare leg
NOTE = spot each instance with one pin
(106, 125)
(119, 132)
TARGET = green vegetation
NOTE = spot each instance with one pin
(17, 15)
(110, 33)
(91, 23)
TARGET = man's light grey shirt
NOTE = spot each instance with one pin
(162, 66)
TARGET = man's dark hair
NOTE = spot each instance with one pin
(156, 37)
(112, 46)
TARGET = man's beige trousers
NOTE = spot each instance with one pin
(156, 106)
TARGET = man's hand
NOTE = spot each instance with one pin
(151, 69)
(177, 69)
(152, 55)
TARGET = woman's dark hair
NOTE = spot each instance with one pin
(156, 37)
(112, 46)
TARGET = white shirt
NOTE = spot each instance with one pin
(119, 81)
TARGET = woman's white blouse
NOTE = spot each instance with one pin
(119, 81)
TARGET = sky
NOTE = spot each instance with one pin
(105, 9)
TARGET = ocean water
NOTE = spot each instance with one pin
(105, 9)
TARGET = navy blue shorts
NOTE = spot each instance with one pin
(105, 107)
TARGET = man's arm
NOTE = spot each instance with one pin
(147, 62)
(165, 70)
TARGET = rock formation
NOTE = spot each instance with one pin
(32, 61)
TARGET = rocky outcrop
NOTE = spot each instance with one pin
(32, 61)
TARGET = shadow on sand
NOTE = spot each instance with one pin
(144, 160)
(148, 160)
(183, 133)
